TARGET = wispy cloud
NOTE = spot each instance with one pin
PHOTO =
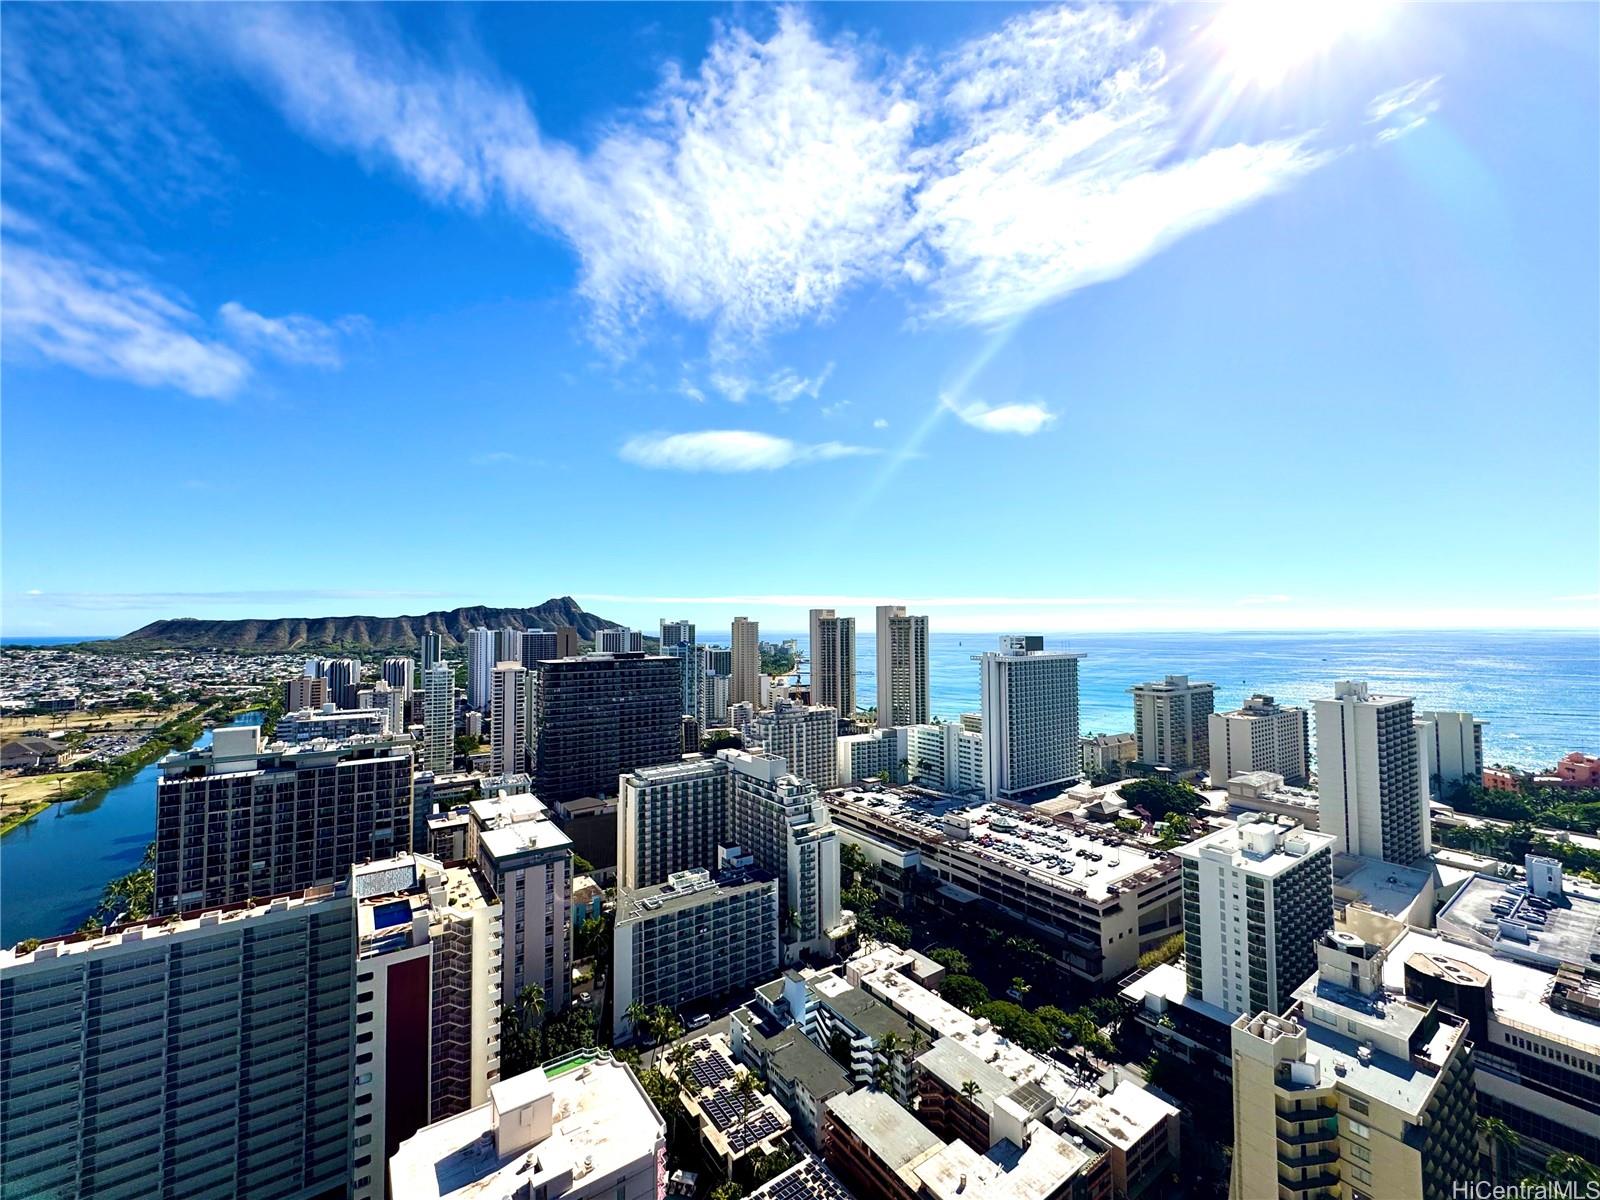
(880, 423)
(1403, 109)
(805, 600)
(787, 385)
(112, 323)
(729, 450)
(754, 192)
(295, 338)
(178, 600)
(1023, 419)
(689, 391)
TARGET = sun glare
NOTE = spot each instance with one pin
(1264, 40)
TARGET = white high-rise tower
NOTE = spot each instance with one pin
(902, 668)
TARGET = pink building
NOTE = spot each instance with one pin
(1498, 779)
(1578, 770)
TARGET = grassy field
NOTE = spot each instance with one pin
(24, 795)
(108, 720)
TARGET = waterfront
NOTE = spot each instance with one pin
(54, 867)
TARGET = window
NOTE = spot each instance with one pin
(1357, 1104)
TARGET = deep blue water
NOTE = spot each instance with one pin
(7, 640)
(54, 867)
(1539, 691)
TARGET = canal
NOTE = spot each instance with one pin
(54, 867)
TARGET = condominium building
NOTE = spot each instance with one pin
(329, 723)
(1452, 750)
(782, 822)
(717, 659)
(833, 661)
(1030, 721)
(528, 861)
(673, 632)
(902, 677)
(880, 754)
(237, 818)
(400, 673)
(1355, 1091)
(1262, 735)
(534, 646)
(482, 654)
(714, 700)
(1257, 896)
(618, 640)
(438, 717)
(427, 1003)
(388, 700)
(431, 649)
(946, 756)
(601, 715)
(344, 680)
(696, 936)
(578, 1128)
(568, 642)
(1094, 902)
(689, 675)
(805, 736)
(508, 719)
(1170, 722)
(1370, 775)
(671, 818)
(745, 678)
(305, 692)
(207, 1055)
(1103, 752)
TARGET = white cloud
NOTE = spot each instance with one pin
(1403, 109)
(295, 338)
(111, 323)
(754, 192)
(1023, 419)
(735, 387)
(728, 450)
(691, 392)
(786, 385)
(880, 423)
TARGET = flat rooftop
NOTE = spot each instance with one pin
(1005, 1172)
(1075, 856)
(1283, 843)
(893, 1135)
(1499, 914)
(808, 1179)
(697, 887)
(1382, 886)
(601, 1114)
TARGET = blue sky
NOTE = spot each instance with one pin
(1253, 316)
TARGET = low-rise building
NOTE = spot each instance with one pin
(1108, 752)
(735, 1125)
(310, 724)
(578, 1128)
(946, 756)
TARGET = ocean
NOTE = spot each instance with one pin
(1539, 691)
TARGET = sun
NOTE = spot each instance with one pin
(1263, 41)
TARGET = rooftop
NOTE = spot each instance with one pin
(954, 1064)
(892, 1134)
(1382, 886)
(808, 1179)
(602, 1122)
(1266, 846)
(1500, 914)
(794, 1056)
(685, 889)
(1006, 1172)
(1073, 855)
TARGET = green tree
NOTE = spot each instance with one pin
(1503, 1142)
(964, 991)
(1159, 797)
(951, 960)
(1020, 987)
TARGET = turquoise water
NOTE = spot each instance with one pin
(54, 867)
(1539, 691)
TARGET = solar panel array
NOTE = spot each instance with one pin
(760, 1126)
(708, 1070)
(809, 1181)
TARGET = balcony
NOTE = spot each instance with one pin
(1321, 1111)
(1322, 1131)
(1315, 1158)
(1320, 1183)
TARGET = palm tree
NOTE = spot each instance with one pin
(972, 1089)
(638, 1017)
(678, 1058)
(1503, 1142)
(1571, 1166)
(890, 1046)
(746, 1089)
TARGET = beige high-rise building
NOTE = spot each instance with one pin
(1170, 721)
(508, 712)
(833, 661)
(1371, 782)
(1355, 1093)
(902, 668)
(744, 686)
(304, 691)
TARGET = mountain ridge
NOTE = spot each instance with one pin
(281, 634)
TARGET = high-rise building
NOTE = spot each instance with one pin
(671, 818)
(781, 821)
(438, 717)
(305, 692)
(569, 643)
(1354, 1091)
(717, 659)
(344, 680)
(390, 701)
(481, 658)
(673, 632)
(308, 724)
(1256, 898)
(427, 1003)
(431, 649)
(695, 935)
(237, 819)
(1262, 735)
(508, 719)
(601, 715)
(945, 756)
(1372, 789)
(581, 1128)
(713, 700)
(1170, 721)
(400, 673)
(689, 674)
(805, 736)
(528, 862)
(210, 1055)
(534, 646)
(902, 668)
(833, 661)
(745, 680)
(1030, 721)
(1453, 751)
(618, 641)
